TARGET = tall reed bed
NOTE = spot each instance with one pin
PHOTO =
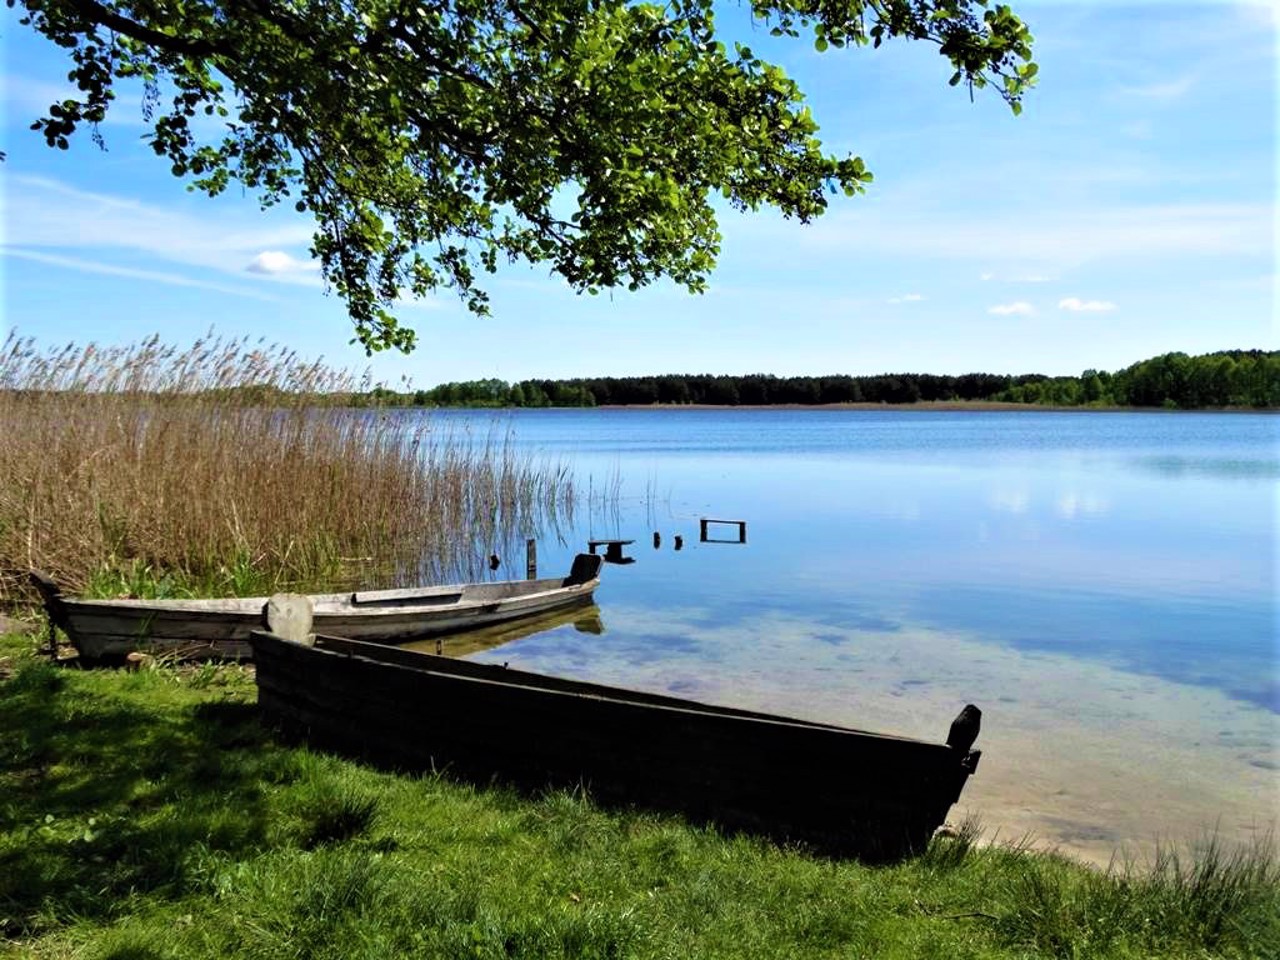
(234, 467)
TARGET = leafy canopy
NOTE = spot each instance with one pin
(432, 139)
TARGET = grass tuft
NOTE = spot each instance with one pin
(334, 817)
(950, 851)
(1215, 901)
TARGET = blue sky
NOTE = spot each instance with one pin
(1130, 211)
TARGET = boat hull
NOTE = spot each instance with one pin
(848, 792)
(109, 630)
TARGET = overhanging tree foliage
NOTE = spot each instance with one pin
(433, 139)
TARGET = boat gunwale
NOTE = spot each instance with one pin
(503, 676)
(326, 605)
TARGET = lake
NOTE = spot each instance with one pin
(1102, 585)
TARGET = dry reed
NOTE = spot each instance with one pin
(235, 468)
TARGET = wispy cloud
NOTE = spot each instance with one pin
(1138, 130)
(1161, 90)
(1260, 13)
(45, 213)
(277, 262)
(907, 298)
(26, 98)
(1076, 305)
(150, 276)
(30, 98)
(1052, 240)
(1016, 277)
(1019, 308)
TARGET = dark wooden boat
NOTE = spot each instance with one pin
(111, 629)
(845, 791)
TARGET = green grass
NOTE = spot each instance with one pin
(149, 815)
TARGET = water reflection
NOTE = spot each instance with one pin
(583, 619)
(614, 550)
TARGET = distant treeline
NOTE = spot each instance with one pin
(1230, 378)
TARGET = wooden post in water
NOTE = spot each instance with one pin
(288, 616)
(531, 559)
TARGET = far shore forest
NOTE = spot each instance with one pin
(1247, 379)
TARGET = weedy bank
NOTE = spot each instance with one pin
(148, 814)
(232, 468)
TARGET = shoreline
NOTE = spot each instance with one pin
(925, 406)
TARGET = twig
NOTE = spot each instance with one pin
(954, 916)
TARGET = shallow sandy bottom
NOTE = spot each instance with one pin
(1077, 755)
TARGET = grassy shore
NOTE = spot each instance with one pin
(148, 814)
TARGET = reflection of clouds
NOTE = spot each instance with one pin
(1068, 505)
(1075, 749)
(1072, 505)
(904, 511)
(1010, 501)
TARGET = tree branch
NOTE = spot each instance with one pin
(96, 13)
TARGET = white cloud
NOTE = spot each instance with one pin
(277, 261)
(1020, 308)
(1076, 305)
(907, 298)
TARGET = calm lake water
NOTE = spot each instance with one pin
(1103, 585)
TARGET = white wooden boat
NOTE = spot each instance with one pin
(105, 630)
